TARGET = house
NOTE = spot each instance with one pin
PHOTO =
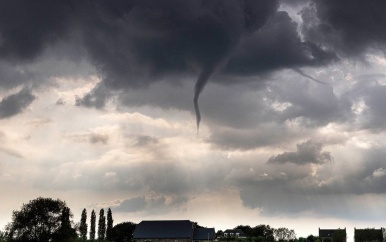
(171, 231)
(362, 235)
(234, 233)
(204, 234)
(333, 235)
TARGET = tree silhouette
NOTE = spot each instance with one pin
(123, 232)
(38, 220)
(92, 226)
(3, 236)
(109, 228)
(284, 234)
(83, 225)
(264, 231)
(101, 225)
(65, 231)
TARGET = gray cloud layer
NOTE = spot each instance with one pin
(347, 27)
(135, 43)
(149, 205)
(15, 103)
(307, 152)
(147, 52)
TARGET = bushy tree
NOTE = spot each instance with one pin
(219, 233)
(302, 239)
(260, 232)
(284, 234)
(83, 225)
(92, 225)
(264, 231)
(259, 239)
(123, 232)
(101, 225)
(109, 228)
(245, 228)
(3, 236)
(311, 238)
(37, 220)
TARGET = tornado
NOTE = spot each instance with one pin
(310, 77)
(200, 84)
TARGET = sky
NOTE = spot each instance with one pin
(220, 112)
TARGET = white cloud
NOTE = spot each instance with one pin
(380, 172)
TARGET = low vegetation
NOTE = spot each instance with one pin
(46, 219)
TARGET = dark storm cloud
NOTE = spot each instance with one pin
(154, 39)
(134, 43)
(11, 76)
(348, 27)
(276, 45)
(26, 28)
(96, 98)
(308, 152)
(15, 103)
(158, 38)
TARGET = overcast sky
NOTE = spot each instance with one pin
(96, 108)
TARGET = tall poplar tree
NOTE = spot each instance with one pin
(102, 225)
(83, 225)
(92, 228)
(109, 229)
(65, 231)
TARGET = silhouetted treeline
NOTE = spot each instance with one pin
(262, 233)
(242, 232)
(46, 219)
